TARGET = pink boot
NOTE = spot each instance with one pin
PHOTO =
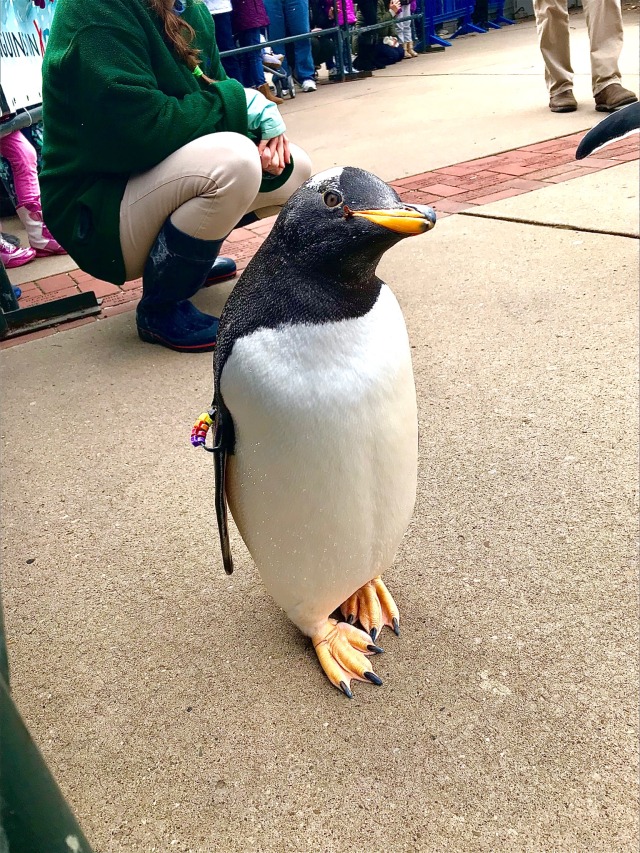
(40, 237)
(14, 256)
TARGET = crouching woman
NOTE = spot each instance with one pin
(152, 155)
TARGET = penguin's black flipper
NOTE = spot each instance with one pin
(220, 468)
(616, 126)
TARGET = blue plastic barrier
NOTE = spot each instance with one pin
(440, 11)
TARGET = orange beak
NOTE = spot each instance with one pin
(406, 220)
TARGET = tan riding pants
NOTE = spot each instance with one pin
(206, 187)
(604, 23)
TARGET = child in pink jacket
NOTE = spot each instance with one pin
(344, 6)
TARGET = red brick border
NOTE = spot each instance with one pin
(449, 190)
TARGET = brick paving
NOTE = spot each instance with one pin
(450, 190)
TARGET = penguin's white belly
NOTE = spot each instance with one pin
(323, 481)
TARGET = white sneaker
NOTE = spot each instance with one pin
(308, 86)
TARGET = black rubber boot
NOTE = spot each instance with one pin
(177, 267)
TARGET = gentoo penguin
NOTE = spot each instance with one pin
(613, 128)
(316, 434)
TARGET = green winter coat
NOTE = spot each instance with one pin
(118, 101)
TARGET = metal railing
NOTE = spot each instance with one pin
(25, 118)
(429, 15)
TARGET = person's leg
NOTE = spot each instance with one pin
(252, 71)
(224, 41)
(21, 156)
(297, 22)
(317, 52)
(552, 22)
(22, 159)
(480, 13)
(275, 11)
(604, 22)
(205, 187)
(403, 27)
(173, 221)
(388, 55)
(365, 59)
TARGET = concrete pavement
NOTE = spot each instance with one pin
(180, 710)
(618, 214)
(483, 95)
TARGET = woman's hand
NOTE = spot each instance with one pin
(394, 7)
(274, 154)
(265, 121)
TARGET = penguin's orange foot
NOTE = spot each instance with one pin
(342, 651)
(372, 606)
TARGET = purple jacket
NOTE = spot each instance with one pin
(248, 15)
(348, 5)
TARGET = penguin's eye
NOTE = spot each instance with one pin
(332, 198)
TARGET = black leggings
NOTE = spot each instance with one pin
(366, 43)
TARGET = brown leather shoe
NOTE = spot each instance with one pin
(266, 91)
(613, 97)
(563, 102)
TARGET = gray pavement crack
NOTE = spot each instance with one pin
(476, 214)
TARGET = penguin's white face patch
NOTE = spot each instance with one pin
(328, 176)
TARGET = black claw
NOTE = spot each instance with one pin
(396, 627)
(376, 649)
(374, 634)
(345, 690)
(351, 619)
(373, 678)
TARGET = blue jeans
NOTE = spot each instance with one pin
(291, 18)
(251, 63)
(224, 40)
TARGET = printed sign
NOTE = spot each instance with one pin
(24, 30)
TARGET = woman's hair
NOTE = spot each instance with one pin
(179, 33)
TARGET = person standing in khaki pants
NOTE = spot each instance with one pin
(604, 23)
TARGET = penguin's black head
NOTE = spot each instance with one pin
(343, 220)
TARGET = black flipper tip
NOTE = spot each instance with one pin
(374, 633)
(373, 678)
(345, 689)
(396, 627)
(375, 649)
(351, 619)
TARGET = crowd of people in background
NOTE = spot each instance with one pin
(241, 23)
(248, 22)
(251, 23)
